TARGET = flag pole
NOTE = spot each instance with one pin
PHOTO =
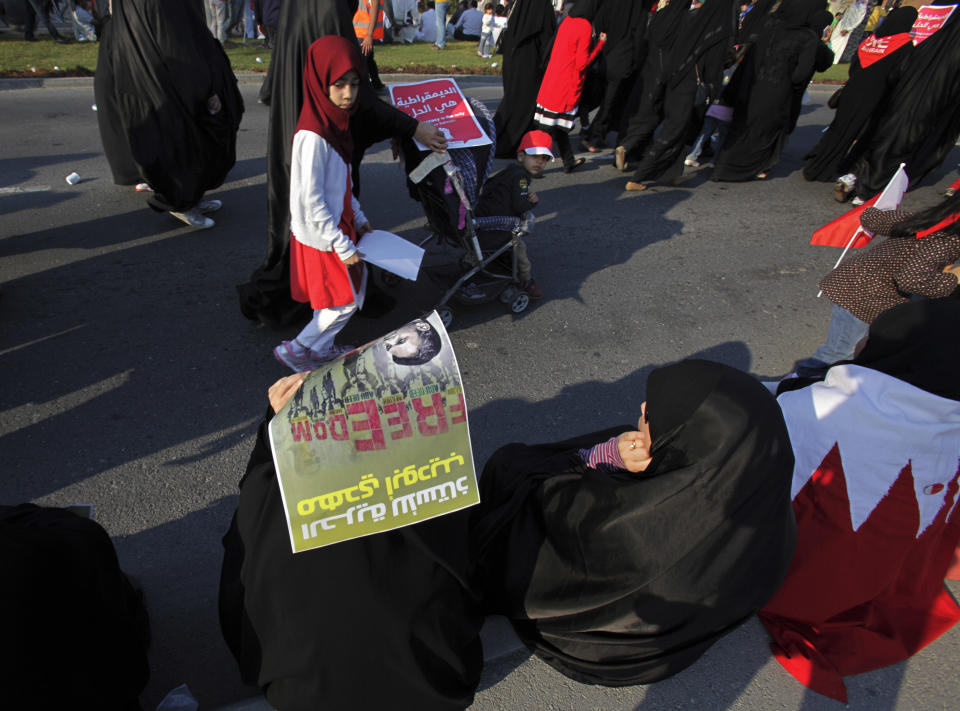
(844, 253)
(860, 228)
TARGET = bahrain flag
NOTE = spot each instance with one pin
(875, 497)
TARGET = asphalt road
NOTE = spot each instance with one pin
(132, 382)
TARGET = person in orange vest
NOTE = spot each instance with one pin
(368, 24)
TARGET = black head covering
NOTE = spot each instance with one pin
(919, 343)
(900, 20)
(615, 578)
(587, 9)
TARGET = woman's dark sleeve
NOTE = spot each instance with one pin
(377, 121)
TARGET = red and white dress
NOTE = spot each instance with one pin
(323, 218)
(562, 83)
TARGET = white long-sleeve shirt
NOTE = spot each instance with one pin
(318, 181)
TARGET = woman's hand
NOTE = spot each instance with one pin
(634, 447)
(213, 104)
(363, 229)
(281, 391)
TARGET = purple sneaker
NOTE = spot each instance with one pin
(293, 356)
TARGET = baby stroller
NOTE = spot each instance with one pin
(485, 268)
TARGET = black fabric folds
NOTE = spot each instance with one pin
(619, 578)
(158, 65)
(384, 621)
(920, 121)
(917, 342)
(526, 48)
(266, 297)
(865, 90)
(75, 632)
(766, 91)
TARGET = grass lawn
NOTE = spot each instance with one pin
(48, 59)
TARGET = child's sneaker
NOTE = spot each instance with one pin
(332, 353)
(293, 355)
(533, 291)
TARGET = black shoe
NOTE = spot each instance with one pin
(569, 168)
(59, 39)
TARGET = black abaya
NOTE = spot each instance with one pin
(526, 47)
(383, 621)
(919, 122)
(75, 631)
(266, 297)
(158, 65)
(695, 58)
(774, 72)
(865, 90)
(617, 578)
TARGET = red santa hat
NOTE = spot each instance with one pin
(536, 143)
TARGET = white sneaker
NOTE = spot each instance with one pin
(193, 218)
(205, 206)
(857, 201)
(143, 188)
(691, 162)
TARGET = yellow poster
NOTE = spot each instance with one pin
(375, 440)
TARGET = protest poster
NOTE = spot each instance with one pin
(375, 440)
(930, 18)
(440, 102)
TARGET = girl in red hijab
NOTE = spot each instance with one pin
(325, 266)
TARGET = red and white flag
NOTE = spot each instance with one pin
(845, 231)
(875, 492)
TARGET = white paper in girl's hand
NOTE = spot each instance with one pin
(391, 252)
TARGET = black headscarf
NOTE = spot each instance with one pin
(900, 20)
(158, 65)
(394, 605)
(617, 578)
(918, 343)
(587, 9)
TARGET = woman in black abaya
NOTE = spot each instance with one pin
(168, 104)
(384, 621)
(623, 563)
(866, 88)
(919, 122)
(765, 91)
(703, 34)
(526, 49)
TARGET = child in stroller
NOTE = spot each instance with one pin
(491, 263)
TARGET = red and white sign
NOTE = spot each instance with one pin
(440, 102)
(930, 19)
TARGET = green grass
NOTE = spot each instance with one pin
(48, 59)
(837, 74)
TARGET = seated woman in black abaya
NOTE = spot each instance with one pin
(384, 621)
(622, 562)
